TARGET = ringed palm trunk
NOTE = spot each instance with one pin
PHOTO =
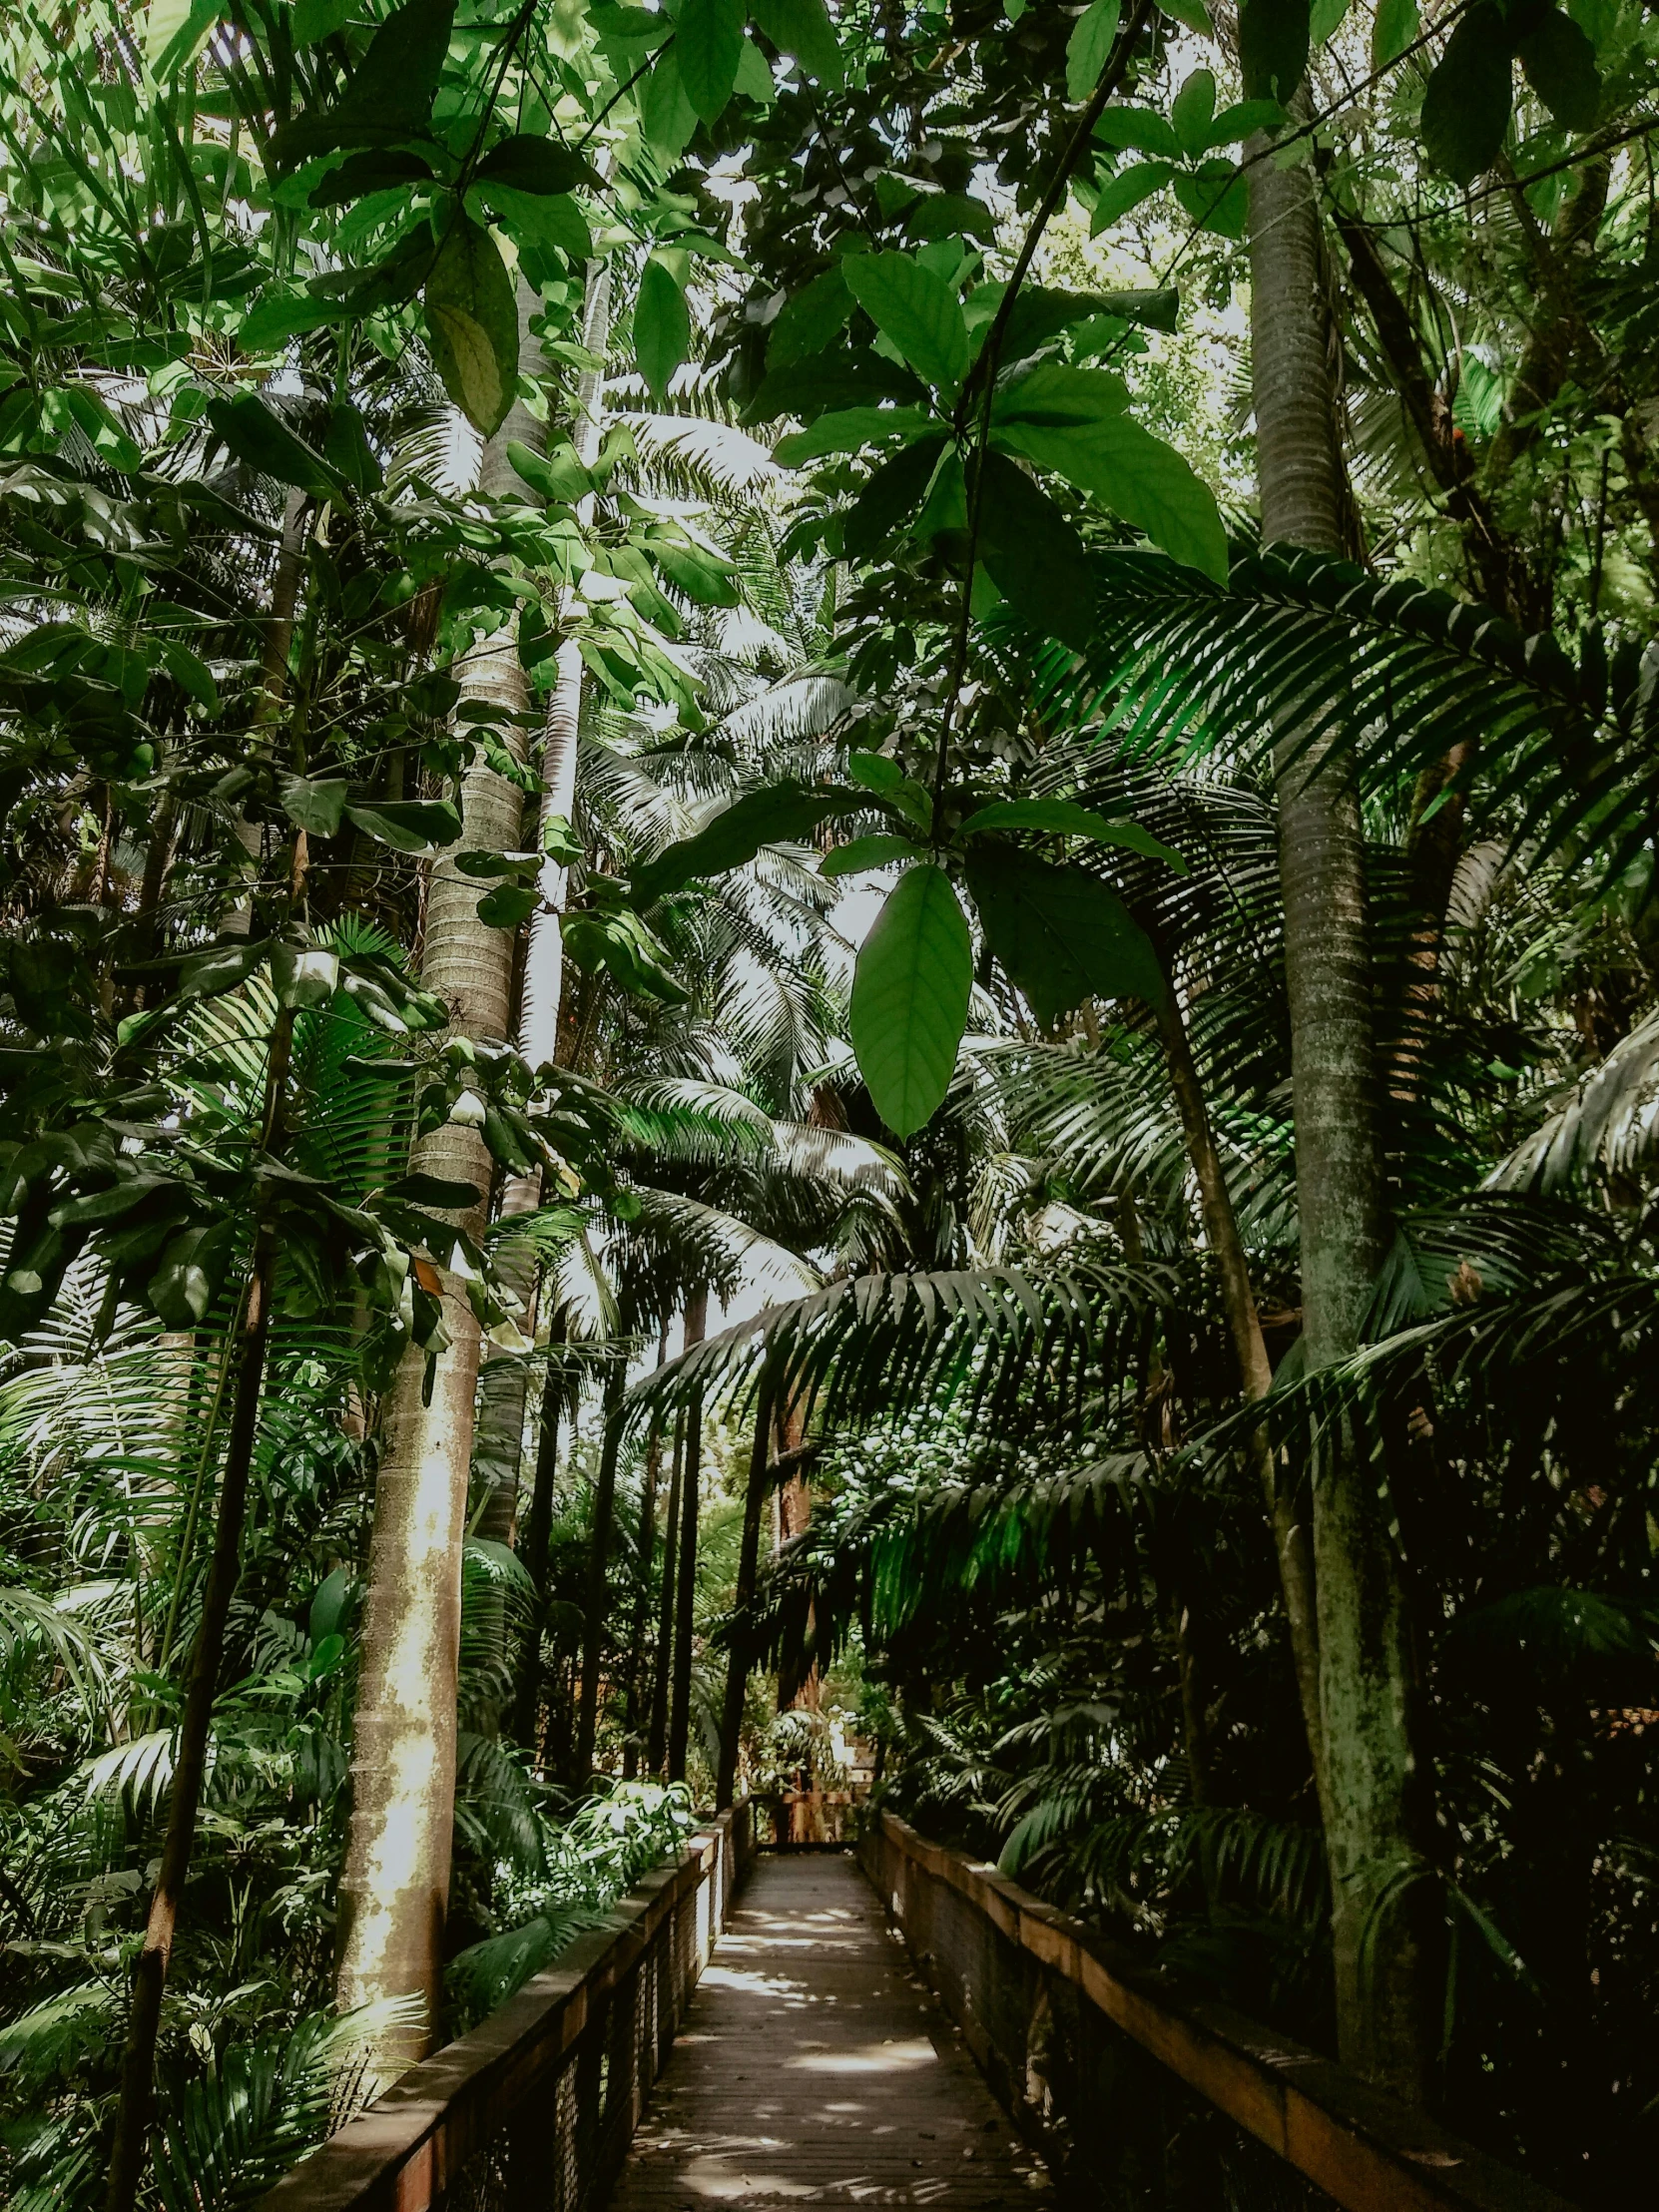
(684, 1601)
(748, 1561)
(395, 1891)
(506, 1383)
(1383, 1956)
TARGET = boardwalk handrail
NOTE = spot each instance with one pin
(538, 2104)
(1046, 2005)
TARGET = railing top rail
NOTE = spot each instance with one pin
(1362, 2147)
(401, 2149)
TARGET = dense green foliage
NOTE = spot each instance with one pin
(861, 394)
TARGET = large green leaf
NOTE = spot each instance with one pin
(847, 431)
(810, 319)
(537, 219)
(1144, 129)
(1395, 29)
(536, 165)
(777, 814)
(801, 28)
(917, 310)
(910, 998)
(1273, 47)
(661, 327)
(1559, 63)
(314, 804)
(880, 850)
(1089, 48)
(1126, 191)
(1465, 107)
(1061, 934)
(1139, 477)
(818, 382)
(390, 92)
(708, 42)
(703, 576)
(1193, 111)
(472, 322)
(409, 825)
(257, 434)
(1064, 817)
(896, 489)
(1032, 554)
(668, 117)
(1055, 396)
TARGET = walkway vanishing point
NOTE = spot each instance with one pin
(814, 2068)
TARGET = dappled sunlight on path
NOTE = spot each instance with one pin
(814, 2068)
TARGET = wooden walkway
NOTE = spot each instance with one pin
(814, 2068)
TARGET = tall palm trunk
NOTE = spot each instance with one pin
(396, 1888)
(748, 1561)
(656, 1746)
(1382, 1958)
(527, 1716)
(685, 1602)
(599, 1547)
(505, 1382)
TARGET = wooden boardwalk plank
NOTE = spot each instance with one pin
(814, 2068)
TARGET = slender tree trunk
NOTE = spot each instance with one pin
(394, 1892)
(537, 1536)
(749, 1560)
(544, 961)
(1383, 1959)
(599, 1546)
(132, 2135)
(238, 920)
(505, 1382)
(645, 1552)
(1221, 1228)
(657, 1734)
(679, 1729)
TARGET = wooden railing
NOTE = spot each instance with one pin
(537, 2108)
(1140, 2094)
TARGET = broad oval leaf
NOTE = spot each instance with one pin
(409, 825)
(1465, 106)
(811, 319)
(776, 813)
(1056, 395)
(531, 164)
(802, 28)
(1139, 477)
(1089, 48)
(1062, 934)
(1559, 64)
(1273, 47)
(472, 321)
(848, 430)
(880, 850)
(917, 310)
(1063, 818)
(1032, 554)
(896, 489)
(910, 998)
(661, 327)
(709, 43)
(508, 904)
(257, 434)
(315, 804)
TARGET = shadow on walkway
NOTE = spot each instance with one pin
(814, 2068)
